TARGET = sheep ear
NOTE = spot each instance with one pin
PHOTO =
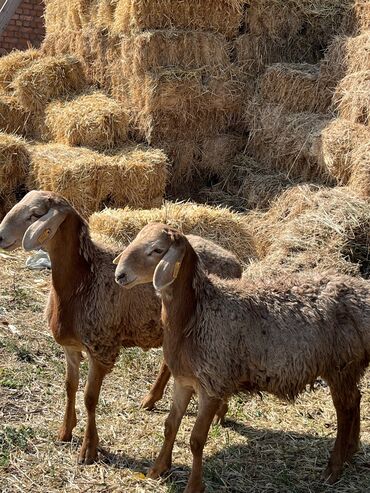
(42, 230)
(168, 268)
(116, 260)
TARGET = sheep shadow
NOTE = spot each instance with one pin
(267, 461)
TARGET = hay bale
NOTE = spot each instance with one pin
(134, 176)
(294, 86)
(173, 105)
(223, 16)
(313, 228)
(340, 139)
(217, 224)
(13, 117)
(11, 64)
(91, 120)
(47, 79)
(290, 142)
(14, 167)
(358, 17)
(352, 97)
(166, 49)
(345, 56)
(209, 156)
(359, 180)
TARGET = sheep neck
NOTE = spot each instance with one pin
(70, 256)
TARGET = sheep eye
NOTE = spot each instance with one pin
(157, 250)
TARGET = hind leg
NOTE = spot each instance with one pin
(346, 398)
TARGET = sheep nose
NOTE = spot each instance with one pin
(121, 276)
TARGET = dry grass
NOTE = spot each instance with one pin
(358, 18)
(295, 87)
(11, 64)
(47, 79)
(223, 16)
(340, 139)
(14, 166)
(290, 142)
(169, 48)
(310, 227)
(359, 180)
(352, 97)
(134, 175)
(345, 56)
(92, 120)
(217, 224)
(13, 117)
(267, 445)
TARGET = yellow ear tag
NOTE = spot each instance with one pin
(44, 236)
(176, 270)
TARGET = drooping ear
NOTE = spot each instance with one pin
(168, 268)
(43, 229)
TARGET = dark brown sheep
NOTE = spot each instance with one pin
(87, 310)
(222, 337)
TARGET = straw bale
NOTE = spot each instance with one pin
(359, 180)
(311, 227)
(47, 79)
(345, 56)
(290, 142)
(134, 176)
(164, 49)
(295, 87)
(218, 224)
(339, 140)
(352, 97)
(91, 120)
(223, 16)
(185, 104)
(14, 166)
(358, 18)
(13, 117)
(12, 63)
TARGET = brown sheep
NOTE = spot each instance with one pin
(86, 310)
(222, 337)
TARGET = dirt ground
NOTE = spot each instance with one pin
(266, 446)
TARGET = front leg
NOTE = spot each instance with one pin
(89, 449)
(207, 408)
(181, 398)
(73, 360)
(156, 392)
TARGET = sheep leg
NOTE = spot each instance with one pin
(181, 398)
(207, 409)
(73, 359)
(89, 449)
(347, 406)
(221, 413)
(156, 392)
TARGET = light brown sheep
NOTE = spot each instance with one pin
(87, 310)
(222, 337)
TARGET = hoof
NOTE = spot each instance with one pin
(64, 436)
(195, 489)
(331, 474)
(148, 402)
(156, 471)
(87, 456)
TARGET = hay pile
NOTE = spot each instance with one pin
(358, 18)
(92, 120)
(359, 180)
(46, 79)
(218, 224)
(12, 63)
(134, 176)
(14, 166)
(312, 228)
(290, 142)
(352, 97)
(13, 117)
(294, 86)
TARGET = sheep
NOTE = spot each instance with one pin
(87, 311)
(222, 337)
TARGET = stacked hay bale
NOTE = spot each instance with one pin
(312, 228)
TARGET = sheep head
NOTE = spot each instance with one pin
(154, 255)
(33, 221)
